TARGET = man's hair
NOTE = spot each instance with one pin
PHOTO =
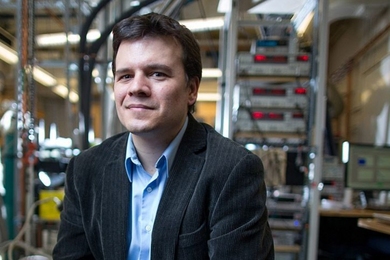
(155, 25)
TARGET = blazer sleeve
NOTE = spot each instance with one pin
(72, 242)
(239, 226)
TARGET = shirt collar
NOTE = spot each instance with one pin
(168, 154)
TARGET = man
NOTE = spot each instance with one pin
(169, 188)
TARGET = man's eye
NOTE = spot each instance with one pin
(158, 74)
(125, 76)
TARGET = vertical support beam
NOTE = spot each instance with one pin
(67, 52)
(16, 190)
(230, 70)
(30, 137)
(103, 55)
(222, 80)
(320, 112)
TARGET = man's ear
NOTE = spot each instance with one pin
(193, 86)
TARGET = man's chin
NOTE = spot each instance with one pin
(138, 130)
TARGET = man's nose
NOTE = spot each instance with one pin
(139, 85)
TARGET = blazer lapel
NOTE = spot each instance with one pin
(179, 189)
(116, 190)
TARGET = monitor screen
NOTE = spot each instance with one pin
(368, 167)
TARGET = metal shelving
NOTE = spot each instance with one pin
(273, 96)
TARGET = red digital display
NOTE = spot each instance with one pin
(259, 115)
(300, 91)
(259, 58)
(278, 92)
(275, 116)
(259, 91)
(297, 115)
(304, 58)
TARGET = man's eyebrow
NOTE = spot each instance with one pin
(152, 66)
(159, 66)
(122, 71)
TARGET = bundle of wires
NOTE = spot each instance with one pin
(10, 245)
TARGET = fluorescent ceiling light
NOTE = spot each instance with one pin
(207, 24)
(44, 77)
(58, 39)
(278, 7)
(7, 54)
(93, 35)
(54, 39)
(73, 97)
(211, 73)
(62, 91)
(49, 80)
(208, 97)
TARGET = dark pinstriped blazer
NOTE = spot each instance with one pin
(213, 205)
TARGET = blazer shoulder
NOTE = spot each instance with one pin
(113, 145)
(217, 140)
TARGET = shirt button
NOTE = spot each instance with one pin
(149, 189)
(148, 228)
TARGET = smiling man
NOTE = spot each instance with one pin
(169, 187)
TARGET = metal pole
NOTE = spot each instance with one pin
(222, 80)
(316, 168)
(230, 70)
(67, 53)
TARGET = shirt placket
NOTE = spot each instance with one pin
(147, 218)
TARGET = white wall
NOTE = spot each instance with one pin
(369, 80)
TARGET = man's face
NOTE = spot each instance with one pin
(151, 90)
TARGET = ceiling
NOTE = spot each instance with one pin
(55, 16)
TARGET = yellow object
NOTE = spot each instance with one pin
(48, 210)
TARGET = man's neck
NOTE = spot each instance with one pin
(148, 153)
(149, 150)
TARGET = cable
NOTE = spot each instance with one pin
(16, 242)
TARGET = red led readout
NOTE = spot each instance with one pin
(259, 58)
(300, 91)
(275, 116)
(304, 58)
(297, 115)
(259, 115)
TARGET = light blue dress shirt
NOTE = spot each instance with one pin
(146, 194)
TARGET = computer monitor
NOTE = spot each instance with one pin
(367, 167)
